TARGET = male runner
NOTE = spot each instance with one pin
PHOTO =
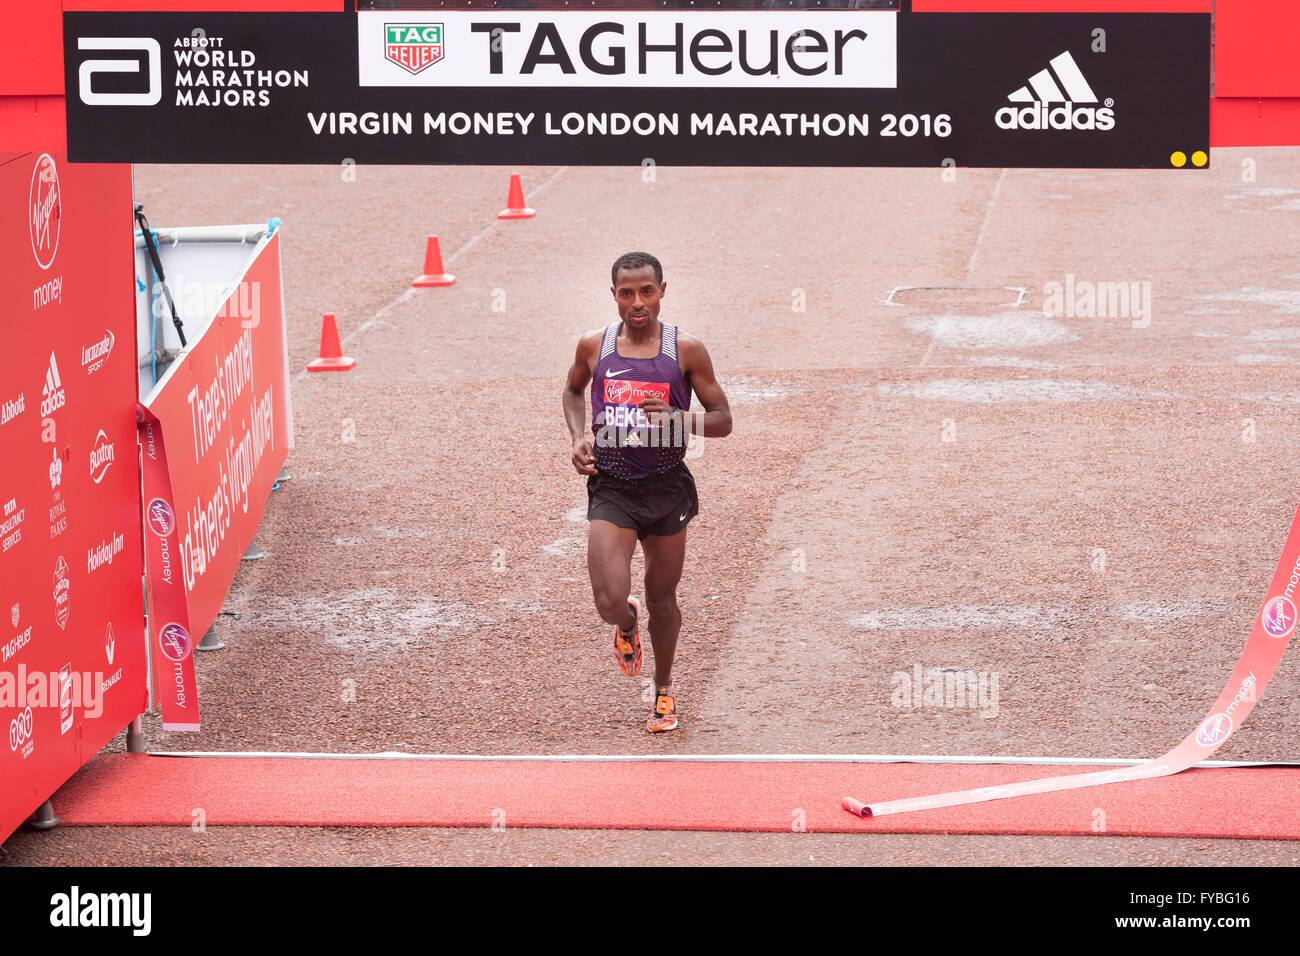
(642, 373)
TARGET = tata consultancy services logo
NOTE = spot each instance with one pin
(413, 46)
(175, 642)
(45, 211)
(1278, 616)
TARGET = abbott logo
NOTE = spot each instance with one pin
(89, 68)
(1057, 91)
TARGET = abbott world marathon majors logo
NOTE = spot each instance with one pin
(45, 210)
(1057, 97)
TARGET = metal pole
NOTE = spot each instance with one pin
(135, 742)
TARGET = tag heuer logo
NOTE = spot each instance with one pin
(413, 46)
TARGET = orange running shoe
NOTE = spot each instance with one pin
(664, 716)
(628, 652)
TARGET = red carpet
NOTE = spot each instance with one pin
(139, 790)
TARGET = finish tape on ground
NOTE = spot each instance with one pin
(1269, 640)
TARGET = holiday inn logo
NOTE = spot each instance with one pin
(413, 46)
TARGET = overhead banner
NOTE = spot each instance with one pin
(733, 87)
(1274, 626)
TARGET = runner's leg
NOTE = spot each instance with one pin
(609, 563)
(665, 556)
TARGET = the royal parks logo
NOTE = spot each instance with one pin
(413, 46)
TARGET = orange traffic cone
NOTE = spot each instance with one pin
(515, 208)
(433, 275)
(331, 358)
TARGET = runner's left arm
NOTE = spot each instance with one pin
(715, 420)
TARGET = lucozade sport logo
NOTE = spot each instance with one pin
(45, 210)
(1052, 100)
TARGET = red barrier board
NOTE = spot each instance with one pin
(222, 410)
(72, 655)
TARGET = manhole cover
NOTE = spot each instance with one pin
(958, 297)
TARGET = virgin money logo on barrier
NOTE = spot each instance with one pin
(1278, 617)
(413, 46)
(101, 457)
(1214, 730)
(21, 729)
(162, 520)
(620, 391)
(94, 356)
(175, 642)
(45, 210)
(62, 587)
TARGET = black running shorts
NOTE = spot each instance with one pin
(662, 504)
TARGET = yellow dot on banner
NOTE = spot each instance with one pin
(1179, 158)
(1199, 158)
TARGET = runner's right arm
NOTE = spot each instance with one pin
(574, 400)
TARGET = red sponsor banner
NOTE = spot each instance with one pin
(177, 691)
(1274, 625)
(223, 409)
(72, 643)
(619, 391)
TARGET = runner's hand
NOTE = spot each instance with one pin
(583, 460)
(657, 412)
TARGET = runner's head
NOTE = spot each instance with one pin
(638, 288)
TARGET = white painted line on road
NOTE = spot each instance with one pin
(721, 758)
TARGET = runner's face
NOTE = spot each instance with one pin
(638, 296)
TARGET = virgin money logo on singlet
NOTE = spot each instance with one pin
(622, 401)
(620, 391)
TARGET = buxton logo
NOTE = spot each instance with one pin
(101, 457)
(45, 211)
(1214, 730)
(1056, 105)
(1279, 616)
(413, 46)
(94, 356)
(162, 521)
(174, 641)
